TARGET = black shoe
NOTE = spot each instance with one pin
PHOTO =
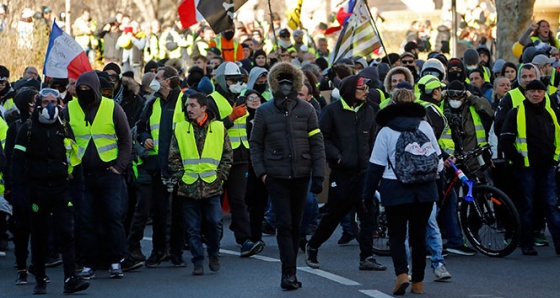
(290, 282)
(268, 229)
(155, 259)
(40, 287)
(302, 243)
(311, 257)
(345, 239)
(529, 251)
(75, 284)
(129, 264)
(31, 270)
(21, 278)
(198, 270)
(250, 248)
(177, 260)
(137, 255)
(53, 261)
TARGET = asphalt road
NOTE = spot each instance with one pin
(259, 276)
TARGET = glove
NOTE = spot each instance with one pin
(317, 185)
(238, 111)
(169, 183)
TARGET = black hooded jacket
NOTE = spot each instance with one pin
(348, 132)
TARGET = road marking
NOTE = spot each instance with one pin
(375, 294)
(147, 238)
(262, 258)
(330, 276)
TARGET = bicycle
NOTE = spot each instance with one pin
(487, 216)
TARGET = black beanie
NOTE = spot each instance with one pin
(456, 86)
(112, 66)
(150, 65)
(535, 85)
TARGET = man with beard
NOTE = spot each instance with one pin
(229, 46)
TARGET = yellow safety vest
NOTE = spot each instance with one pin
(478, 127)
(9, 103)
(238, 132)
(155, 120)
(178, 114)
(521, 140)
(3, 133)
(202, 166)
(102, 130)
(384, 103)
(551, 87)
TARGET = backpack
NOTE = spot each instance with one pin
(416, 160)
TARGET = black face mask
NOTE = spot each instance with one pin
(456, 75)
(228, 35)
(260, 87)
(286, 88)
(85, 96)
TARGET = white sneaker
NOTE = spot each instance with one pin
(440, 273)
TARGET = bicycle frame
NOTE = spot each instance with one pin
(459, 175)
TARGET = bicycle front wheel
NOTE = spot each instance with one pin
(381, 235)
(491, 222)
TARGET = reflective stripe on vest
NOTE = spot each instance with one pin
(478, 127)
(155, 119)
(178, 114)
(446, 142)
(203, 166)
(237, 133)
(102, 130)
(521, 140)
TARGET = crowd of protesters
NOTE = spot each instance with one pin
(181, 119)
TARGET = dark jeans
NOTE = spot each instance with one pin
(235, 186)
(414, 217)
(45, 202)
(178, 227)
(256, 198)
(152, 196)
(288, 200)
(449, 221)
(195, 211)
(99, 218)
(21, 228)
(345, 193)
(538, 185)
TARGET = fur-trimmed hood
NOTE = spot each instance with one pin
(131, 85)
(387, 82)
(281, 68)
(402, 116)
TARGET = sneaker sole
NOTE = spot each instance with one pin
(443, 278)
(134, 267)
(87, 277)
(253, 251)
(117, 275)
(461, 253)
(21, 283)
(312, 265)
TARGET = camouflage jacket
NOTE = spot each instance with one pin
(200, 189)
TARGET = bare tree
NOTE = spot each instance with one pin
(514, 17)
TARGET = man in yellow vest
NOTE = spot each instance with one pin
(155, 129)
(230, 82)
(200, 158)
(104, 145)
(530, 139)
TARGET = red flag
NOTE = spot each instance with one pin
(188, 13)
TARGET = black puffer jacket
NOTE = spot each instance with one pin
(285, 142)
(349, 133)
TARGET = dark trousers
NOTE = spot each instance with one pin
(152, 196)
(538, 185)
(178, 226)
(99, 218)
(21, 228)
(235, 186)
(256, 198)
(344, 194)
(207, 210)
(288, 201)
(414, 217)
(45, 202)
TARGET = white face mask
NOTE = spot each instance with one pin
(284, 43)
(154, 85)
(455, 103)
(470, 67)
(237, 88)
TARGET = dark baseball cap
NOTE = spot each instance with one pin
(284, 33)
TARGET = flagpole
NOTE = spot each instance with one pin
(272, 26)
(377, 32)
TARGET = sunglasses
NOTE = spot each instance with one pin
(253, 98)
(284, 55)
(239, 80)
(364, 88)
(49, 91)
(407, 61)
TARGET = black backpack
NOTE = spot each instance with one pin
(416, 159)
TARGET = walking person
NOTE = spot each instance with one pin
(43, 159)
(407, 192)
(287, 149)
(200, 158)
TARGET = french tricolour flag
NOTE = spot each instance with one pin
(189, 14)
(65, 57)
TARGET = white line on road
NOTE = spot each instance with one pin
(375, 294)
(327, 275)
(147, 238)
(262, 258)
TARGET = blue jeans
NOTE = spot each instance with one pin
(269, 215)
(433, 239)
(195, 211)
(310, 213)
(538, 184)
(450, 221)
